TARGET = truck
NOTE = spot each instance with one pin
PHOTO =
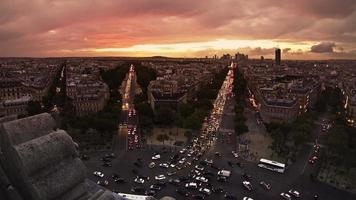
(224, 173)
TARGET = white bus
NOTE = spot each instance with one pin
(272, 165)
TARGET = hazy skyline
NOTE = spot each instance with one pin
(303, 29)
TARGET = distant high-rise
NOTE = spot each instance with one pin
(278, 56)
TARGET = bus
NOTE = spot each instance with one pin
(272, 165)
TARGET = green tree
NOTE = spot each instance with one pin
(164, 115)
(185, 109)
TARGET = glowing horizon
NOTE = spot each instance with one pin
(318, 29)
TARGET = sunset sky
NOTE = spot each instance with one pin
(303, 29)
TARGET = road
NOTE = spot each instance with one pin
(127, 137)
(297, 176)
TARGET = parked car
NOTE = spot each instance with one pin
(205, 191)
(103, 183)
(98, 174)
(139, 180)
(247, 185)
(265, 185)
(152, 165)
(295, 193)
(286, 196)
(191, 185)
(160, 177)
(156, 157)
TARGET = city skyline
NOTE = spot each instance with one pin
(320, 29)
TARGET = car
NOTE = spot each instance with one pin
(201, 179)
(152, 165)
(156, 157)
(170, 173)
(295, 193)
(183, 151)
(191, 185)
(98, 174)
(155, 187)
(144, 177)
(139, 180)
(247, 198)
(247, 176)
(103, 183)
(217, 154)
(172, 165)
(120, 180)
(221, 179)
(150, 192)
(182, 192)
(174, 157)
(198, 167)
(160, 177)
(205, 191)
(265, 185)
(286, 196)
(247, 185)
(235, 154)
(313, 159)
(164, 165)
(110, 155)
(218, 190)
(181, 161)
(230, 196)
(174, 181)
(209, 162)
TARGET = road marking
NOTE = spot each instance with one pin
(306, 162)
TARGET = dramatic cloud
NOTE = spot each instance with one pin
(323, 47)
(121, 27)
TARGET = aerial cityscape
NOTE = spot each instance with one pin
(177, 100)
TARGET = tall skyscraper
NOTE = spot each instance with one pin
(278, 56)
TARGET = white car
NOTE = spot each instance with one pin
(160, 177)
(247, 185)
(156, 157)
(172, 165)
(181, 161)
(164, 165)
(247, 198)
(202, 179)
(210, 162)
(103, 183)
(235, 154)
(182, 151)
(294, 193)
(205, 191)
(139, 180)
(151, 165)
(191, 185)
(99, 174)
(199, 167)
(286, 196)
